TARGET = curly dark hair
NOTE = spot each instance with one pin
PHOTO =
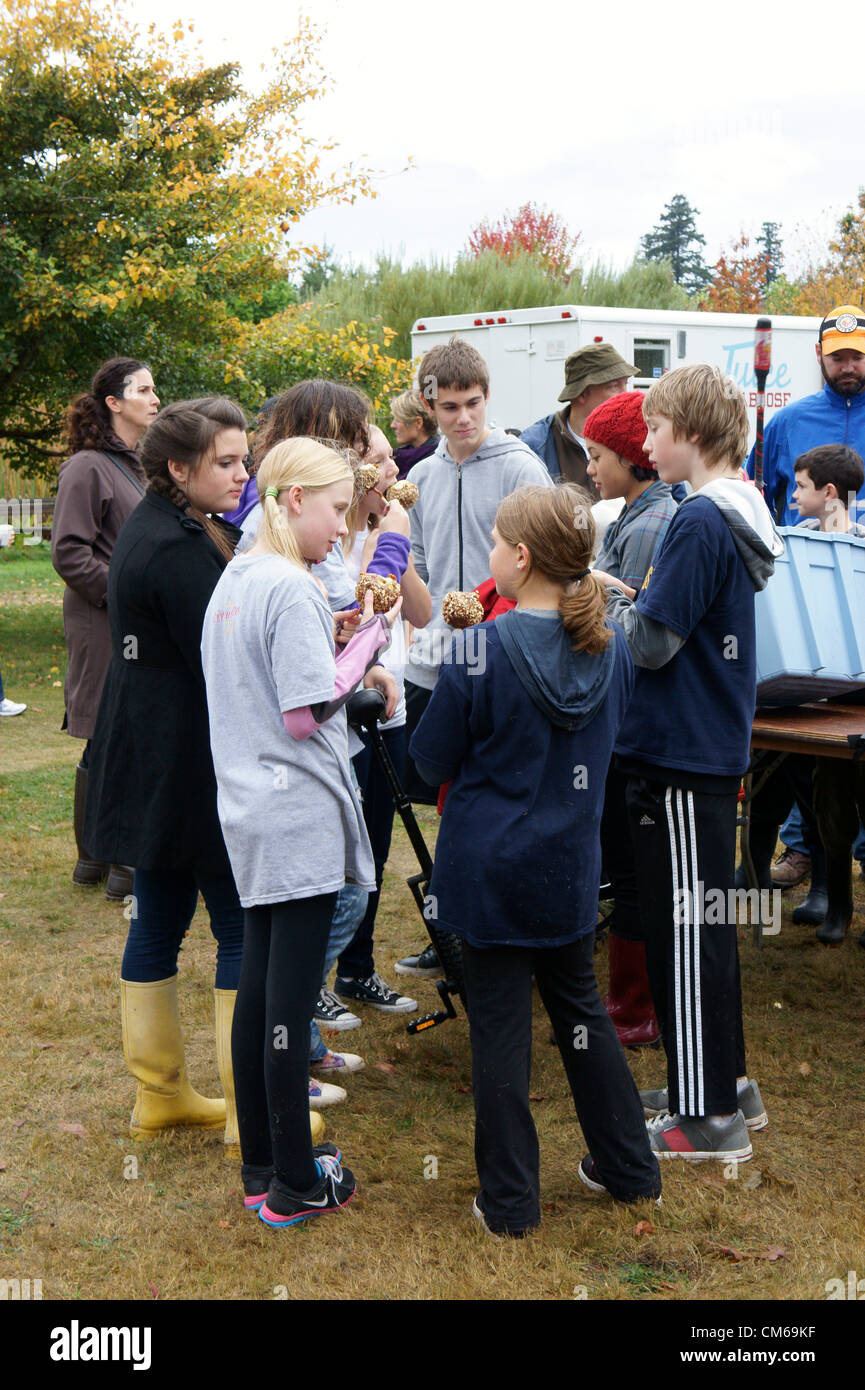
(88, 419)
(322, 409)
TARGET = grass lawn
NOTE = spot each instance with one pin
(95, 1215)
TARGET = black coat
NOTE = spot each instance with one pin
(151, 795)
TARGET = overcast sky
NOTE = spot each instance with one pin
(601, 113)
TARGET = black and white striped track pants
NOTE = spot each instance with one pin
(685, 845)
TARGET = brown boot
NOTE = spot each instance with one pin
(791, 869)
(119, 885)
(87, 870)
(629, 1002)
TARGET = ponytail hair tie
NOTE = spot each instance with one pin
(271, 492)
(582, 574)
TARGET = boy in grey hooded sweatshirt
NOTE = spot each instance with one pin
(460, 487)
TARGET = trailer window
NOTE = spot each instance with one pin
(651, 357)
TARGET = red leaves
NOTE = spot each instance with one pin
(772, 1252)
(529, 230)
(727, 1251)
(739, 283)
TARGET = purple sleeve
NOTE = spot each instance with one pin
(391, 555)
(352, 664)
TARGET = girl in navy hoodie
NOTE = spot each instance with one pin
(526, 734)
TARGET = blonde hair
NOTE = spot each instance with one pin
(411, 406)
(701, 400)
(306, 463)
(556, 526)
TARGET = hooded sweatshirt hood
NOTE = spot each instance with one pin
(566, 686)
(750, 522)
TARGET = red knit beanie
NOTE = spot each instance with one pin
(619, 425)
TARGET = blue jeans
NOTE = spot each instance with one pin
(163, 905)
(793, 837)
(347, 916)
(356, 961)
(792, 833)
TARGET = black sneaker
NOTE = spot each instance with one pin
(589, 1175)
(335, 1187)
(375, 992)
(426, 964)
(256, 1181)
(332, 1015)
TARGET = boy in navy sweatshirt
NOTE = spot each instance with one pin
(685, 745)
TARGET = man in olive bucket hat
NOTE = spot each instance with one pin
(592, 374)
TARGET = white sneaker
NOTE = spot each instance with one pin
(339, 1062)
(10, 707)
(321, 1093)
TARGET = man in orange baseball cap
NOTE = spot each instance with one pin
(835, 415)
(842, 331)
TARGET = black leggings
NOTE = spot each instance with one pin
(280, 977)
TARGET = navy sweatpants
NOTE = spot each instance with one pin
(499, 988)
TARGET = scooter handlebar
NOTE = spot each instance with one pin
(366, 709)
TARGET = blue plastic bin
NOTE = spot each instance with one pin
(811, 620)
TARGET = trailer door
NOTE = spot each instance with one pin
(509, 351)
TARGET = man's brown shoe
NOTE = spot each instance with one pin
(791, 869)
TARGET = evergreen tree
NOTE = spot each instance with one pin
(769, 242)
(676, 239)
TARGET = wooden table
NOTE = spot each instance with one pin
(820, 730)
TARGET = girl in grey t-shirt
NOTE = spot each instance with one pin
(290, 816)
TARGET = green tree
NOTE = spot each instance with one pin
(146, 207)
(769, 242)
(318, 272)
(393, 296)
(675, 239)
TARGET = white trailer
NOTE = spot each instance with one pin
(525, 350)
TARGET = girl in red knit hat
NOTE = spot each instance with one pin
(614, 434)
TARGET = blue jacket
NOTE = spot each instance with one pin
(526, 734)
(824, 418)
(539, 438)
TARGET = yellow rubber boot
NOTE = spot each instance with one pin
(223, 1000)
(153, 1050)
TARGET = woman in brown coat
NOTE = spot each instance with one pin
(99, 487)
